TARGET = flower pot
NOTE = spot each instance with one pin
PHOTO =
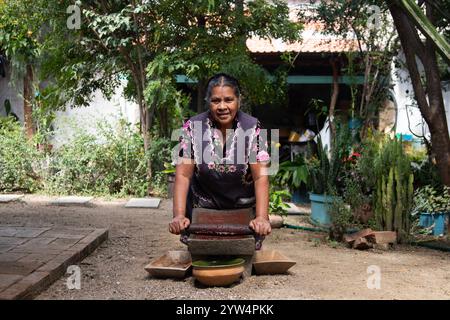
(439, 219)
(300, 196)
(320, 214)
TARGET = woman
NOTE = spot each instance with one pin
(217, 172)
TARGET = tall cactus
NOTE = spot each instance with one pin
(393, 197)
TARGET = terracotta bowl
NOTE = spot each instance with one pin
(218, 273)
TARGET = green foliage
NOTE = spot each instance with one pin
(19, 159)
(111, 163)
(425, 172)
(324, 171)
(429, 199)
(341, 218)
(276, 202)
(394, 190)
(292, 174)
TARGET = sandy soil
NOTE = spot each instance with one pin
(323, 271)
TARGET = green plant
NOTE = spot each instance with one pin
(324, 171)
(292, 174)
(394, 189)
(112, 162)
(19, 159)
(429, 199)
(276, 202)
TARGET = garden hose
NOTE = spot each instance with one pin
(318, 229)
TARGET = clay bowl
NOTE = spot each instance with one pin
(271, 262)
(174, 264)
(218, 273)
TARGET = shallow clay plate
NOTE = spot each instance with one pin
(174, 264)
(271, 262)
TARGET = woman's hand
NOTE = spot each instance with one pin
(261, 226)
(178, 224)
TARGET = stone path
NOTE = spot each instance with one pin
(4, 198)
(143, 203)
(72, 200)
(32, 258)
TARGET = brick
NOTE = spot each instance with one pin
(11, 257)
(6, 248)
(19, 268)
(7, 280)
(27, 287)
(8, 231)
(40, 257)
(350, 238)
(27, 232)
(382, 237)
(12, 240)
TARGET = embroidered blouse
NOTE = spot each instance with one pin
(222, 177)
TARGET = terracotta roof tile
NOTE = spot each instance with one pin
(313, 40)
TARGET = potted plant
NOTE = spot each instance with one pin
(323, 176)
(277, 207)
(294, 175)
(433, 207)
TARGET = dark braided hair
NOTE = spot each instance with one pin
(221, 79)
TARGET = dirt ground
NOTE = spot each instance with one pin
(136, 236)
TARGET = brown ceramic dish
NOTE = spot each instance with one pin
(271, 262)
(174, 264)
(218, 273)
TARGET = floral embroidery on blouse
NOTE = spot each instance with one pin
(220, 155)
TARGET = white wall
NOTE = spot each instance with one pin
(407, 107)
(86, 118)
(72, 119)
(13, 94)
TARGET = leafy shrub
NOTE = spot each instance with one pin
(111, 163)
(19, 159)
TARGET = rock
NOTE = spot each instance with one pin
(276, 221)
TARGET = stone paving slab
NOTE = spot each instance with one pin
(72, 200)
(143, 203)
(293, 209)
(296, 210)
(4, 198)
(31, 258)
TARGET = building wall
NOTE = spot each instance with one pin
(13, 93)
(409, 119)
(72, 119)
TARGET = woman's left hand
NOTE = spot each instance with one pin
(261, 226)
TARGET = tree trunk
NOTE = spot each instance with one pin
(200, 96)
(334, 96)
(27, 99)
(428, 94)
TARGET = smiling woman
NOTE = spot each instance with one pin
(222, 157)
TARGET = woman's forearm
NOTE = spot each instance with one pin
(182, 179)
(262, 197)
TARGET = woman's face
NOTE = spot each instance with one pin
(224, 105)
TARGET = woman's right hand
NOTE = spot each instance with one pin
(178, 224)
